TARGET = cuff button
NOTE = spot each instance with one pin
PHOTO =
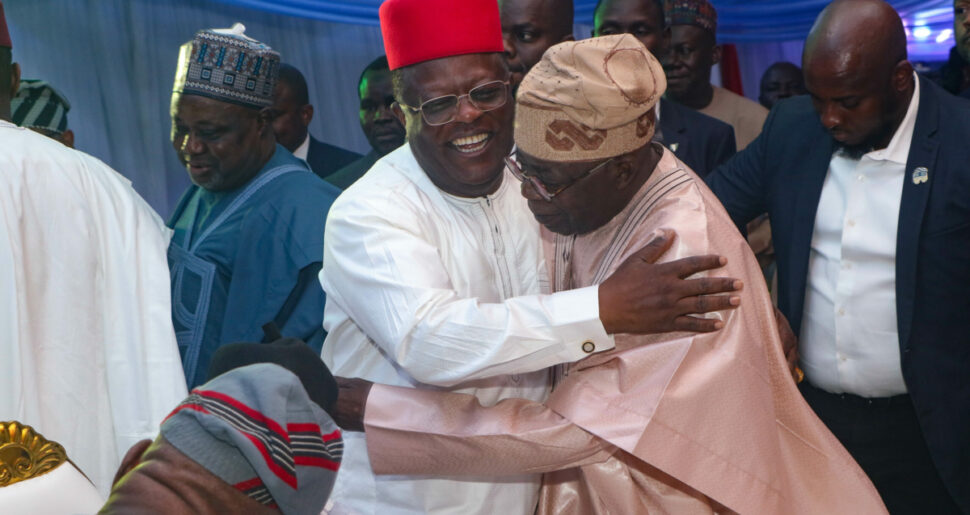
(588, 347)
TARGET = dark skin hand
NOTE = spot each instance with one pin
(348, 411)
(626, 307)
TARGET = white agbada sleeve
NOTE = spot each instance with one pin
(87, 349)
(382, 269)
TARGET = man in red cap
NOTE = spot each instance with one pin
(433, 266)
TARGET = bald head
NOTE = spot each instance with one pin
(530, 27)
(856, 34)
(857, 73)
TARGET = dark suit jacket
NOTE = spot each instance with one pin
(698, 140)
(349, 174)
(325, 159)
(782, 173)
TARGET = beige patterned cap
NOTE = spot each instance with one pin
(589, 99)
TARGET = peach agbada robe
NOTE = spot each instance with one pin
(669, 423)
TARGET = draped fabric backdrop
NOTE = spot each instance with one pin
(115, 61)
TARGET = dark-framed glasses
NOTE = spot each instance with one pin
(444, 109)
(547, 193)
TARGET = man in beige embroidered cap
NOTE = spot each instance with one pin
(641, 428)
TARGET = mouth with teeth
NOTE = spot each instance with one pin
(471, 144)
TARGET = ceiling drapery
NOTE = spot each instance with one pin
(739, 20)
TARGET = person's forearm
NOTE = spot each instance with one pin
(412, 431)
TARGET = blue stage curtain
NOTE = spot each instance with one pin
(739, 20)
(115, 61)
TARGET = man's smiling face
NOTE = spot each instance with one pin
(465, 156)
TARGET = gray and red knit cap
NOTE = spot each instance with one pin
(256, 428)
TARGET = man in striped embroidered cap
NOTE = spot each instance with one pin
(251, 440)
(669, 423)
(43, 109)
(247, 234)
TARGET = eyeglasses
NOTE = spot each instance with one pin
(485, 97)
(540, 188)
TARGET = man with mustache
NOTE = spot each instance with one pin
(246, 247)
(434, 271)
(652, 426)
(867, 187)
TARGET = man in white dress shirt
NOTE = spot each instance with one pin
(433, 265)
(868, 190)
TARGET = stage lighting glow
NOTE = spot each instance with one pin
(944, 35)
(922, 32)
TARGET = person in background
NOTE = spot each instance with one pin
(291, 114)
(433, 264)
(41, 108)
(700, 141)
(693, 52)
(529, 28)
(87, 352)
(384, 131)
(868, 187)
(780, 80)
(246, 248)
(961, 35)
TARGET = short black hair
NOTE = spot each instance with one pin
(660, 6)
(292, 76)
(377, 65)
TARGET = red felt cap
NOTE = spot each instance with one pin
(4, 33)
(421, 30)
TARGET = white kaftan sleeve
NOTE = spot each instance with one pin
(386, 275)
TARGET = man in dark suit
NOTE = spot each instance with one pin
(868, 188)
(383, 130)
(698, 140)
(292, 113)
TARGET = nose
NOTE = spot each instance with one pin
(829, 117)
(466, 111)
(384, 114)
(510, 52)
(192, 145)
(529, 192)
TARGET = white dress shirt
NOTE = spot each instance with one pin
(849, 341)
(304, 148)
(87, 348)
(425, 288)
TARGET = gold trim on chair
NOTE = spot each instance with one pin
(25, 453)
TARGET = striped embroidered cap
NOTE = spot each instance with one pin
(39, 106)
(227, 65)
(256, 428)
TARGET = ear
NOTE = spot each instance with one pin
(399, 114)
(131, 460)
(902, 76)
(14, 79)
(67, 138)
(716, 55)
(624, 170)
(306, 114)
(264, 119)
